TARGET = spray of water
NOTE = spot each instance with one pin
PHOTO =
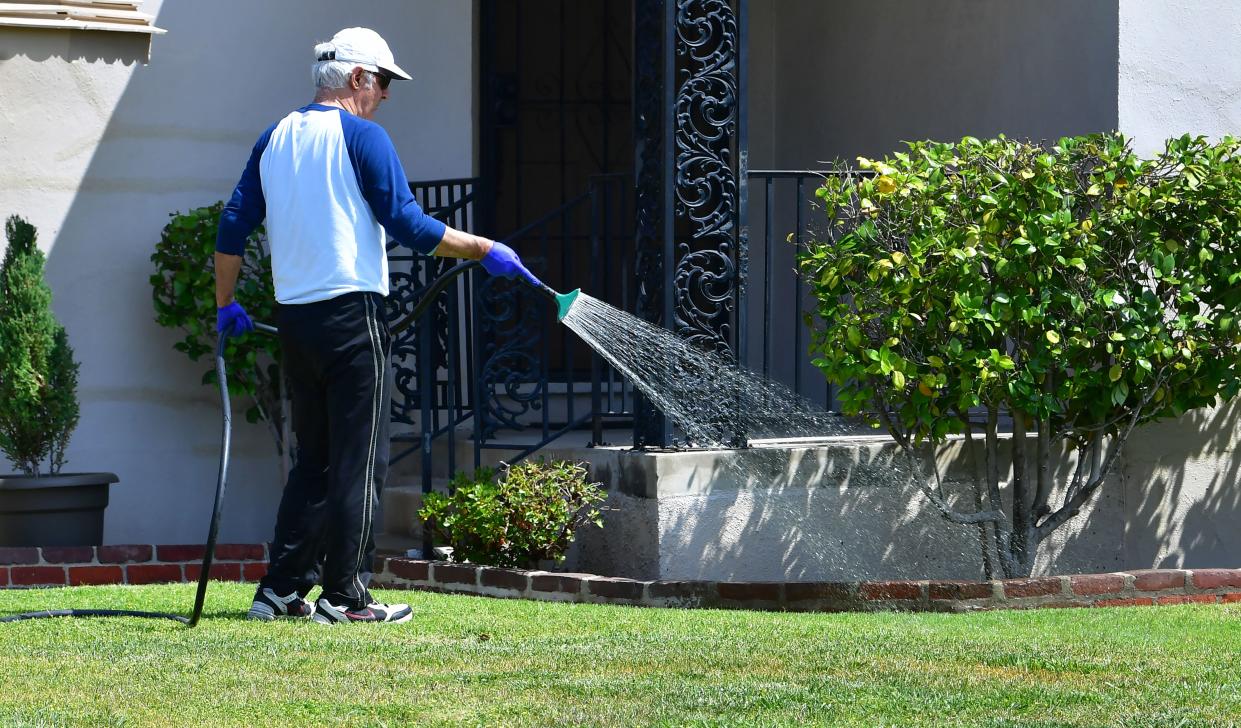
(712, 401)
(705, 395)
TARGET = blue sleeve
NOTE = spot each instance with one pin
(247, 207)
(385, 187)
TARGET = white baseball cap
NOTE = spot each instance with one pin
(366, 48)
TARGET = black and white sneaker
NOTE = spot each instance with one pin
(269, 605)
(328, 613)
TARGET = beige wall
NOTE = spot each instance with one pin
(98, 147)
(838, 79)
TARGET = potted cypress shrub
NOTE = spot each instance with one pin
(38, 411)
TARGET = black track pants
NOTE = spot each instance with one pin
(336, 354)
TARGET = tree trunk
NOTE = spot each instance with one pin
(1021, 511)
(1000, 533)
(980, 473)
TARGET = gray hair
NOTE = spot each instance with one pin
(333, 74)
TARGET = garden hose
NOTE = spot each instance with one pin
(428, 297)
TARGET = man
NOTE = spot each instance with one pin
(328, 182)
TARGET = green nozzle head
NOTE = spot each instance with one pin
(564, 302)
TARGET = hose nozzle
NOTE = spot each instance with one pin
(563, 301)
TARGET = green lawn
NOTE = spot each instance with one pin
(469, 660)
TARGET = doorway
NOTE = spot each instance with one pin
(556, 86)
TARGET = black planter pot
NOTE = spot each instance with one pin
(53, 510)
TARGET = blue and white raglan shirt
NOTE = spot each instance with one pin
(331, 189)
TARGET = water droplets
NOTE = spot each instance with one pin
(713, 403)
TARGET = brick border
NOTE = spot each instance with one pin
(53, 566)
(50, 566)
(1130, 588)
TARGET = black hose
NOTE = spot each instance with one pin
(93, 613)
(432, 292)
(428, 297)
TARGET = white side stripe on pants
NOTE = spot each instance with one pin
(372, 330)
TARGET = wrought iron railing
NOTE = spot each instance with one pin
(780, 215)
(490, 353)
(431, 359)
(492, 362)
(532, 371)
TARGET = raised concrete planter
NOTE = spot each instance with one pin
(845, 510)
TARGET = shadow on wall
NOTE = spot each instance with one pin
(838, 513)
(843, 511)
(1185, 499)
(88, 46)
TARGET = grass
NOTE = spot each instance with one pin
(476, 661)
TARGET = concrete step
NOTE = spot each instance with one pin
(400, 503)
(392, 544)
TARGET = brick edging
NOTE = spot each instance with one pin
(51, 566)
(1130, 588)
(28, 567)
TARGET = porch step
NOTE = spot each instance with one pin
(401, 501)
(393, 544)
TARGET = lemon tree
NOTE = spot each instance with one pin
(1078, 288)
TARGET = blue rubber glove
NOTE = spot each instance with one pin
(503, 261)
(232, 320)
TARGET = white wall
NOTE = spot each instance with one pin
(98, 147)
(1180, 69)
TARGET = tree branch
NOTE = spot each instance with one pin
(944, 507)
(1042, 491)
(1074, 501)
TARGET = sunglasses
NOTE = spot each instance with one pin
(384, 79)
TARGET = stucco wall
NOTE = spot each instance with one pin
(1180, 69)
(98, 147)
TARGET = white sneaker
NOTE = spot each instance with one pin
(328, 613)
(269, 605)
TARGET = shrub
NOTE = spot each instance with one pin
(183, 291)
(38, 375)
(1080, 288)
(528, 515)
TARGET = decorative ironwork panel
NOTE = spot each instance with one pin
(451, 202)
(707, 109)
(511, 376)
(690, 132)
(406, 286)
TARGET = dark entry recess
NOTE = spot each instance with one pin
(556, 102)
(556, 118)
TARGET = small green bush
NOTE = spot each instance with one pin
(183, 291)
(528, 515)
(38, 375)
